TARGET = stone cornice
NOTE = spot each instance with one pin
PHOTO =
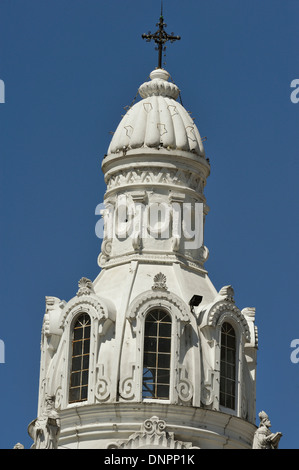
(153, 258)
(156, 157)
(195, 423)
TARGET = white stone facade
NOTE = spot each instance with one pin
(156, 158)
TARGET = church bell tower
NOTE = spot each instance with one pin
(149, 354)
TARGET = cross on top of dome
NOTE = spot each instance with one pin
(160, 37)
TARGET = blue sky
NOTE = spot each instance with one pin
(69, 68)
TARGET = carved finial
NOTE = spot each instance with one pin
(85, 287)
(228, 293)
(249, 312)
(159, 282)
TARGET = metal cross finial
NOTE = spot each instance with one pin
(160, 37)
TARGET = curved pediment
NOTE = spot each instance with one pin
(154, 298)
(87, 301)
(224, 306)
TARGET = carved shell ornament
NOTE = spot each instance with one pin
(85, 287)
(159, 282)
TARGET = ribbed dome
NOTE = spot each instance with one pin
(157, 120)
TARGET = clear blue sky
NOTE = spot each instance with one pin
(69, 67)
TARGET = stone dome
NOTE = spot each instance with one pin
(158, 120)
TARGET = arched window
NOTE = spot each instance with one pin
(228, 366)
(80, 359)
(156, 358)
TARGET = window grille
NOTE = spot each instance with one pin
(80, 359)
(228, 366)
(157, 351)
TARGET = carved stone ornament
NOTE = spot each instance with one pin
(227, 293)
(204, 253)
(91, 304)
(106, 247)
(159, 282)
(159, 85)
(230, 311)
(160, 297)
(263, 437)
(249, 314)
(184, 387)
(45, 429)
(85, 287)
(102, 389)
(18, 446)
(152, 435)
(126, 386)
(58, 398)
(177, 177)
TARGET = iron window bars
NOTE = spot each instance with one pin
(80, 359)
(156, 359)
(228, 366)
